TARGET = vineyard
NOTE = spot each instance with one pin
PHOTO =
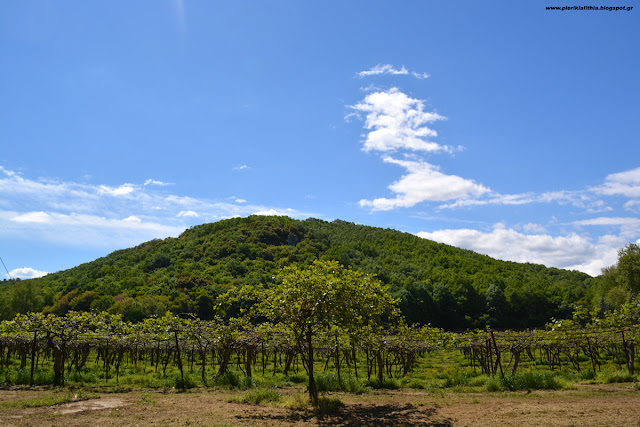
(319, 322)
(68, 345)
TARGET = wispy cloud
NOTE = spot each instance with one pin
(580, 199)
(632, 205)
(102, 216)
(180, 12)
(154, 182)
(241, 167)
(389, 69)
(629, 227)
(625, 183)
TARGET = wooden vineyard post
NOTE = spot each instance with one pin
(179, 358)
(629, 352)
(33, 355)
(495, 346)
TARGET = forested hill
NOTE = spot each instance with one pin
(437, 283)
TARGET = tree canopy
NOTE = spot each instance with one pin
(326, 297)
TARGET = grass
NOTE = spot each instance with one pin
(49, 399)
(328, 381)
(295, 401)
(609, 377)
(388, 383)
(524, 381)
(442, 370)
(258, 396)
(328, 404)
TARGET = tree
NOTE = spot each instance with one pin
(497, 306)
(628, 269)
(448, 310)
(323, 297)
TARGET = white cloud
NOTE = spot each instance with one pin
(154, 182)
(241, 167)
(424, 182)
(629, 227)
(26, 273)
(396, 121)
(188, 214)
(275, 212)
(632, 205)
(389, 69)
(579, 199)
(100, 216)
(572, 251)
(82, 230)
(32, 217)
(123, 190)
(625, 183)
(534, 228)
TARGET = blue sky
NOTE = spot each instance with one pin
(496, 126)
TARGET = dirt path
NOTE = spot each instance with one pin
(587, 406)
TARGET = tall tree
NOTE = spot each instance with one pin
(322, 297)
(628, 269)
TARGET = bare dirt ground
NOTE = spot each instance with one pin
(595, 405)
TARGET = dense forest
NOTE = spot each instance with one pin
(435, 283)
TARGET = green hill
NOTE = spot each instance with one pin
(436, 283)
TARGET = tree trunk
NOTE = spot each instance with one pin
(313, 389)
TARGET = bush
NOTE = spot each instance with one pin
(459, 379)
(329, 404)
(259, 395)
(296, 402)
(298, 378)
(229, 378)
(494, 384)
(589, 374)
(41, 376)
(389, 383)
(329, 382)
(617, 377)
(531, 381)
(186, 382)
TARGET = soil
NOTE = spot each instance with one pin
(593, 405)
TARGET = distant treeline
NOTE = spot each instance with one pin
(437, 284)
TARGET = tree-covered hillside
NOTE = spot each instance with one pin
(436, 283)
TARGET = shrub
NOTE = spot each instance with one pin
(618, 377)
(589, 374)
(329, 382)
(298, 378)
(296, 402)
(186, 382)
(329, 404)
(229, 378)
(531, 381)
(390, 383)
(259, 395)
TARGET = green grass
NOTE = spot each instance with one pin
(388, 383)
(524, 381)
(328, 381)
(437, 371)
(49, 399)
(617, 376)
(258, 396)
